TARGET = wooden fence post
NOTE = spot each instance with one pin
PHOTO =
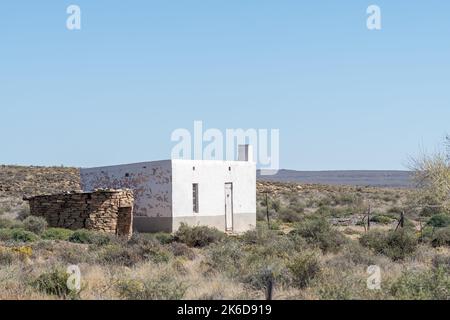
(269, 287)
(267, 211)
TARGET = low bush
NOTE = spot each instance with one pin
(431, 284)
(394, 244)
(165, 287)
(35, 224)
(441, 237)
(57, 234)
(198, 236)
(119, 255)
(90, 237)
(441, 220)
(259, 273)
(355, 254)
(10, 224)
(304, 268)
(18, 235)
(163, 237)
(54, 282)
(318, 231)
(289, 215)
(381, 219)
(181, 250)
(7, 257)
(23, 213)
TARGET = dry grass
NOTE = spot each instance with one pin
(234, 267)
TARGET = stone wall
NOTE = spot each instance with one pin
(102, 210)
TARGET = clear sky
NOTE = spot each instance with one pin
(342, 96)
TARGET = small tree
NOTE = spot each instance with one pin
(432, 176)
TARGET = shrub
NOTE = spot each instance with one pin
(23, 213)
(344, 199)
(54, 282)
(90, 237)
(259, 273)
(394, 244)
(227, 257)
(382, 219)
(35, 224)
(289, 215)
(19, 235)
(198, 236)
(57, 234)
(318, 231)
(7, 257)
(182, 250)
(441, 237)
(73, 254)
(441, 261)
(163, 237)
(10, 224)
(149, 248)
(432, 284)
(119, 255)
(304, 268)
(441, 220)
(165, 287)
(356, 254)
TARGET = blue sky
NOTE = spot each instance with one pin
(342, 96)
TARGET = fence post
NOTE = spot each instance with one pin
(402, 219)
(368, 218)
(269, 287)
(267, 211)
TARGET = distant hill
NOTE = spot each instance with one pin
(373, 178)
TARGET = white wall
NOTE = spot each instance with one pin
(211, 177)
(150, 181)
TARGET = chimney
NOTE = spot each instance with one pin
(245, 153)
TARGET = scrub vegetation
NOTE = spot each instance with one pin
(311, 242)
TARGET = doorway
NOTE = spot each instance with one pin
(228, 206)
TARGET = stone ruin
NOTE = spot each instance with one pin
(104, 210)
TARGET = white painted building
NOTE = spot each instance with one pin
(219, 194)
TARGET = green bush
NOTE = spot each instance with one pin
(181, 250)
(344, 199)
(198, 236)
(441, 261)
(441, 220)
(165, 287)
(54, 282)
(57, 234)
(35, 224)
(149, 248)
(394, 244)
(260, 272)
(163, 237)
(289, 215)
(116, 254)
(135, 252)
(441, 237)
(226, 257)
(381, 219)
(353, 254)
(318, 231)
(432, 284)
(19, 235)
(90, 237)
(304, 268)
(10, 223)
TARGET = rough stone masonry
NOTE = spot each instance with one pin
(105, 210)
